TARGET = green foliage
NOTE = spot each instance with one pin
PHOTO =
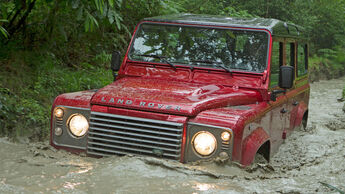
(21, 116)
(335, 57)
(64, 46)
(323, 21)
(339, 56)
(102, 59)
(214, 7)
(329, 63)
(27, 93)
(327, 53)
(3, 31)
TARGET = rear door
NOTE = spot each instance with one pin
(298, 96)
(278, 107)
(291, 111)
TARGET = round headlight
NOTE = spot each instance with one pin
(58, 112)
(78, 125)
(204, 143)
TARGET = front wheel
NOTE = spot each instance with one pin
(305, 121)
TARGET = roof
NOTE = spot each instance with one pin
(276, 27)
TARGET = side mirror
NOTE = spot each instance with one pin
(115, 62)
(286, 77)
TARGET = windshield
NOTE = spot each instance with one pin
(244, 50)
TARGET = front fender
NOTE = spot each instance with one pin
(251, 145)
(77, 99)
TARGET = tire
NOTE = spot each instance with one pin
(260, 159)
(305, 121)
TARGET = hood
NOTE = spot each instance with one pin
(180, 98)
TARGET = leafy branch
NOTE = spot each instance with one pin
(3, 30)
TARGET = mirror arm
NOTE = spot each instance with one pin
(115, 63)
(274, 94)
(114, 75)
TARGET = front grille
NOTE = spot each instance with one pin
(116, 134)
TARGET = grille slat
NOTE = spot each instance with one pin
(125, 138)
(136, 124)
(105, 131)
(127, 149)
(132, 144)
(117, 134)
(136, 119)
(132, 129)
(107, 152)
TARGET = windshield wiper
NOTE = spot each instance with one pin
(162, 58)
(216, 63)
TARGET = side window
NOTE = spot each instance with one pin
(276, 62)
(302, 60)
(290, 54)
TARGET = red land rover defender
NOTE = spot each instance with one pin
(193, 87)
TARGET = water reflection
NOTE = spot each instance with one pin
(203, 186)
(82, 166)
(69, 185)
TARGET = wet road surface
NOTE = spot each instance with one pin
(307, 158)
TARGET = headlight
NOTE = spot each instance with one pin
(204, 143)
(78, 125)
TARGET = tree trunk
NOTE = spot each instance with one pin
(22, 20)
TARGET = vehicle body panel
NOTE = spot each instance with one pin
(181, 98)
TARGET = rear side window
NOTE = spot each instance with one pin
(276, 62)
(290, 54)
(302, 60)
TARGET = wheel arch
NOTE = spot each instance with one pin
(257, 142)
(265, 150)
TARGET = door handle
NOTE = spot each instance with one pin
(295, 103)
(283, 110)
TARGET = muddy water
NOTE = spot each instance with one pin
(307, 158)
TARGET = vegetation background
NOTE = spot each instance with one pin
(50, 47)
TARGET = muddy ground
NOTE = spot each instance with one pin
(307, 161)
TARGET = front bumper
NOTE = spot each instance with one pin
(111, 134)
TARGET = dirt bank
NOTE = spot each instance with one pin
(306, 160)
(325, 70)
